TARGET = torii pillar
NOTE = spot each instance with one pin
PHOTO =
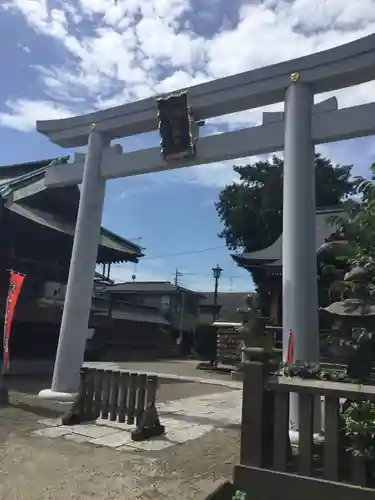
(75, 318)
(300, 294)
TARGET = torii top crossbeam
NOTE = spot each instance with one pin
(337, 68)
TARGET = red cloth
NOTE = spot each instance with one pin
(290, 347)
(16, 282)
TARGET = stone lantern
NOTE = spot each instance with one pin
(257, 343)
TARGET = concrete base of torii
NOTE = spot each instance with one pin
(60, 397)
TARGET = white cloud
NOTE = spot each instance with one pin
(24, 48)
(24, 112)
(45, 20)
(131, 49)
(214, 175)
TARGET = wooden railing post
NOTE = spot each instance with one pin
(257, 414)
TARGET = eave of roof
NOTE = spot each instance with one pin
(10, 183)
(13, 171)
(133, 246)
(244, 261)
(149, 287)
(255, 259)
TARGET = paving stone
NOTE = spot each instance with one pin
(185, 419)
(93, 430)
(50, 422)
(187, 432)
(222, 409)
(53, 432)
(115, 425)
(175, 434)
(77, 438)
(113, 440)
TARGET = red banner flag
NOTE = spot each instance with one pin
(290, 347)
(15, 285)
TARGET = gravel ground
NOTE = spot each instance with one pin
(38, 468)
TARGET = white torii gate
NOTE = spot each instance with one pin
(303, 125)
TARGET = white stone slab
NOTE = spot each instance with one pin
(115, 425)
(185, 419)
(114, 440)
(177, 432)
(220, 408)
(53, 432)
(185, 431)
(77, 438)
(50, 422)
(92, 430)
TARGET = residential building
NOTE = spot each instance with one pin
(226, 308)
(178, 305)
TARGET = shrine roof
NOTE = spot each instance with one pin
(272, 255)
(23, 191)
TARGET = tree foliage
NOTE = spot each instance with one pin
(357, 225)
(251, 209)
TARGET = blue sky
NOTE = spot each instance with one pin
(68, 57)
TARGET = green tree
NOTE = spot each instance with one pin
(357, 225)
(251, 209)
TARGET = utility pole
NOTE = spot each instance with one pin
(176, 276)
(181, 332)
(181, 298)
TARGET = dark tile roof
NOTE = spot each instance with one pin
(33, 204)
(8, 172)
(229, 302)
(271, 256)
(153, 287)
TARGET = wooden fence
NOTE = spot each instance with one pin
(269, 469)
(114, 395)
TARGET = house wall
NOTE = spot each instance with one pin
(206, 315)
(180, 309)
(129, 341)
(184, 312)
(145, 300)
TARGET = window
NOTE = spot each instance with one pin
(165, 303)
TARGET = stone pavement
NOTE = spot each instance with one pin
(184, 419)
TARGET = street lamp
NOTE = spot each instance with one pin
(217, 273)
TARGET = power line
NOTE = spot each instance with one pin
(191, 252)
(189, 274)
